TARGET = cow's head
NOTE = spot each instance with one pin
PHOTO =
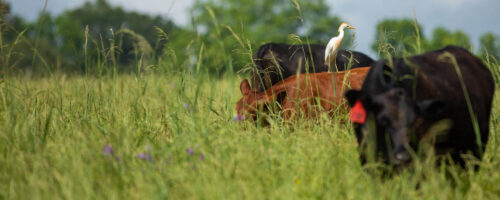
(386, 121)
(248, 105)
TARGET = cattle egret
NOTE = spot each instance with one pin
(334, 44)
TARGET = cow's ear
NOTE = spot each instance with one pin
(352, 96)
(431, 108)
(245, 86)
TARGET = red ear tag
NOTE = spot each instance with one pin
(358, 113)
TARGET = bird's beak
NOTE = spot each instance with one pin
(350, 27)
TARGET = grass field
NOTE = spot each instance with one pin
(173, 137)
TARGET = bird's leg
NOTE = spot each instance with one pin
(327, 62)
(335, 63)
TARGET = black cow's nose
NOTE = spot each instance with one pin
(402, 157)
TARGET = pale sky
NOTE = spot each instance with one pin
(475, 17)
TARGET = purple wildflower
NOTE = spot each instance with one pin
(186, 105)
(239, 118)
(141, 156)
(108, 150)
(202, 157)
(190, 151)
(146, 156)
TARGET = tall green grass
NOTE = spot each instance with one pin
(54, 132)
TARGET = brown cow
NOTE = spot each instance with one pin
(303, 92)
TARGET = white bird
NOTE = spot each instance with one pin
(334, 44)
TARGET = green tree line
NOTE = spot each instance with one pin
(406, 35)
(99, 38)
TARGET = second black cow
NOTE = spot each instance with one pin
(276, 62)
(441, 99)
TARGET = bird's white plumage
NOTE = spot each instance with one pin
(333, 46)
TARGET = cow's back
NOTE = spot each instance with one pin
(447, 82)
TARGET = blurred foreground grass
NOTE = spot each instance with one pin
(173, 137)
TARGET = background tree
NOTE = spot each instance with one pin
(100, 16)
(10, 24)
(259, 22)
(104, 24)
(61, 42)
(442, 37)
(401, 34)
(31, 46)
(490, 45)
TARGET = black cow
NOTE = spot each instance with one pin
(420, 102)
(276, 62)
